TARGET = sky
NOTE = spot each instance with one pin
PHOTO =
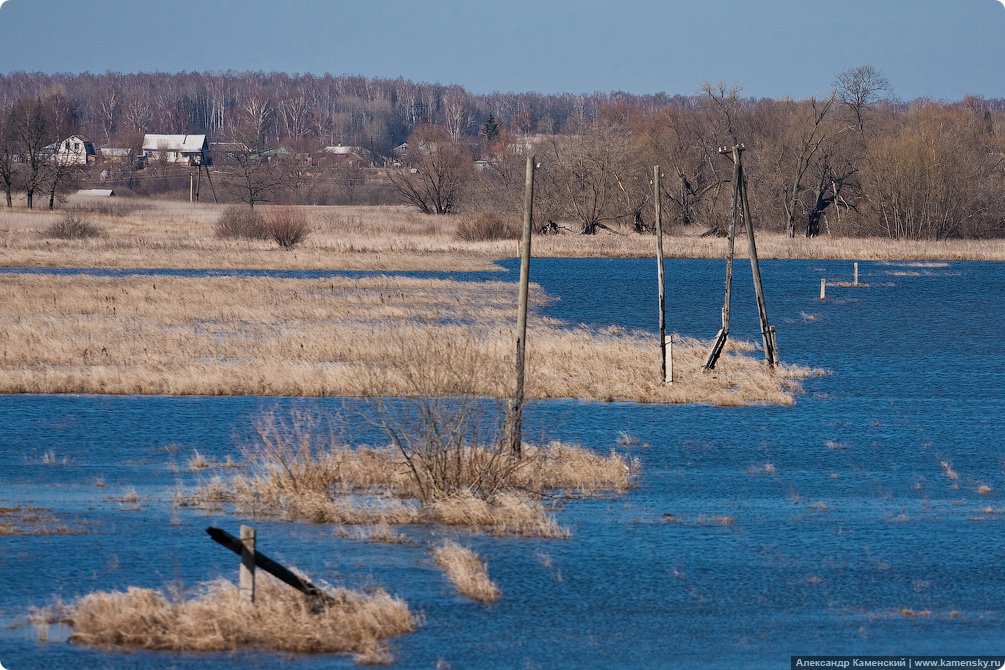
(940, 49)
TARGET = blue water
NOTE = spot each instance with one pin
(857, 523)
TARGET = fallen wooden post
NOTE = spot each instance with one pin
(270, 566)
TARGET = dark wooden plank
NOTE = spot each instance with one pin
(270, 566)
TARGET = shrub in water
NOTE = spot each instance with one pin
(237, 221)
(71, 227)
(288, 226)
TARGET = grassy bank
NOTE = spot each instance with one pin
(155, 234)
(376, 336)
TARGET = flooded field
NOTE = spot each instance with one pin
(864, 519)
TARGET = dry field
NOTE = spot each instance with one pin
(375, 336)
(159, 234)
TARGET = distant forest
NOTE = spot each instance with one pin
(852, 162)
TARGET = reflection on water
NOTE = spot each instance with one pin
(756, 533)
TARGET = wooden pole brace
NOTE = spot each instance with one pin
(270, 566)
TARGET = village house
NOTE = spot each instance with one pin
(74, 150)
(185, 149)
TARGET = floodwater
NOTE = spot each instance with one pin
(755, 533)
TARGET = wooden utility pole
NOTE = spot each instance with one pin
(666, 345)
(767, 331)
(210, 178)
(723, 334)
(742, 206)
(516, 418)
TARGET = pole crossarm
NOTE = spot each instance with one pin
(278, 571)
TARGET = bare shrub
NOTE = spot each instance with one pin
(287, 226)
(467, 572)
(299, 470)
(218, 619)
(71, 227)
(486, 226)
(237, 221)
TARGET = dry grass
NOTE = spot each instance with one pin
(162, 234)
(33, 521)
(338, 336)
(183, 235)
(298, 471)
(217, 619)
(467, 572)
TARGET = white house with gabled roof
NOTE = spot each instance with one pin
(188, 149)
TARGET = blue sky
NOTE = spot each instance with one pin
(943, 49)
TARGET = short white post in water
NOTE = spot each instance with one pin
(856, 274)
(823, 288)
(247, 581)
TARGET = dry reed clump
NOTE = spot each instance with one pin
(467, 571)
(337, 336)
(299, 470)
(71, 227)
(485, 226)
(240, 222)
(218, 619)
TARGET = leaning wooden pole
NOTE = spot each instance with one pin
(666, 346)
(767, 332)
(516, 419)
(723, 334)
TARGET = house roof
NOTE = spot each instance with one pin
(96, 192)
(54, 147)
(183, 143)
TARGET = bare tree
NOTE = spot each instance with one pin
(858, 88)
(251, 175)
(933, 181)
(31, 134)
(8, 154)
(435, 173)
(582, 175)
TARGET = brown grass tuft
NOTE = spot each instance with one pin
(217, 619)
(467, 572)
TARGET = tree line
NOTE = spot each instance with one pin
(853, 162)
